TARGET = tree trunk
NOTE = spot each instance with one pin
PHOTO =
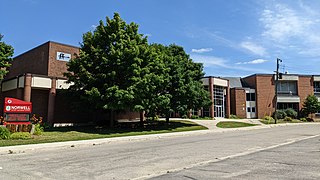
(167, 118)
(111, 118)
(141, 118)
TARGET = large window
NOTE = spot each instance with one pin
(218, 98)
(316, 86)
(287, 87)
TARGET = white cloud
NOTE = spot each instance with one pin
(202, 50)
(209, 60)
(256, 61)
(212, 61)
(93, 27)
(286, 26)
(253, 48)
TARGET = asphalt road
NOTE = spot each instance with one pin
(275, 152)
(300, 160)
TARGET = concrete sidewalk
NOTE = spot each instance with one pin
(211, 124)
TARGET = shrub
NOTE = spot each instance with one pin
(4, 133)
(184, 116)
(287, 118)
(280, 114)
(291, 113)
(38, 129)
(194, 117)
(21, 135)
(36, 119)
(232, 116)
(303, 119)
(268, 118)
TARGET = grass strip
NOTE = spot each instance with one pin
(83, 133)
(233, 124)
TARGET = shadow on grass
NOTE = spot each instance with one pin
(126, 127)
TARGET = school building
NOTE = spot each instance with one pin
(37, 76)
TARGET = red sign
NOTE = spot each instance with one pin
(12, 105)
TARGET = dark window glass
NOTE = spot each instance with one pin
(248, 96)
(253, 96)
(253, 109)
(248, 109)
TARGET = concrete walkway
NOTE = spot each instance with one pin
(212, 124)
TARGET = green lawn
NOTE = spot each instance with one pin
(83, 133)
(233, 124)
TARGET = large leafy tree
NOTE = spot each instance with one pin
(6, 53)
(185, 86)
(109, 65)
(150, 87)
(311, 105)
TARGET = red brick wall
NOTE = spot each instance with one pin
(251, 81)
(265, 93)
(240, 103)
(305, 88)
(33, 61)
(39, 99)
(56, 68)
(232, 101)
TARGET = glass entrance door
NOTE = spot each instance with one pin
(218, 111)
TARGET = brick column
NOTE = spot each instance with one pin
(27, 87)
(227, 101)
(19, 91)
(51, 100)
(211, 97)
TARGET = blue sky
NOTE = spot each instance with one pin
(231, 38)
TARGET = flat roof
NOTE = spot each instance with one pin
(45, 44)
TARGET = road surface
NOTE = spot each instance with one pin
(242, 154)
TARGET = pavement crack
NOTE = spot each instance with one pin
(189, 177)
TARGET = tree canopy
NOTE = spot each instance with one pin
(311, 105)
(6, 53)
(118, 70)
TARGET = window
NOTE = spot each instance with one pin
(316, 86)
(287, 87)
(283, 106)
(251, 96)
(248, 109)
(253, 109)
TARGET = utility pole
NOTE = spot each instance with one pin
(276, 90)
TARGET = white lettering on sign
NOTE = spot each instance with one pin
(63, 56)
(18, 108)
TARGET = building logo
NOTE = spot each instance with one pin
(8, 108)
(61, 56)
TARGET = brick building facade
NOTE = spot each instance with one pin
(37, 76)
(254, 96)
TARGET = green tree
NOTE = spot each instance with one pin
(6, 53)
(311, 105)
(150, 94)
(185, 87)
(109, 65)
